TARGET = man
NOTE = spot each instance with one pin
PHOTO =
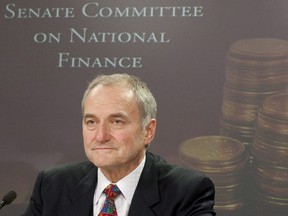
(119, 123)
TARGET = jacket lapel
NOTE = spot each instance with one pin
(82, 197)
(147, 191)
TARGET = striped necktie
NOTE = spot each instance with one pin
(109, 208)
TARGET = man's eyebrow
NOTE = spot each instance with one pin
(88, 115)
(113, 115)
(117, 115)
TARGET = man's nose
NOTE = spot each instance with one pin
(102, 133)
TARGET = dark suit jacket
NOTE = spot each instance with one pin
(163, 190)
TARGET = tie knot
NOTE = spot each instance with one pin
(112, 191)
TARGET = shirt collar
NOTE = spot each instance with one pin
(127, 185)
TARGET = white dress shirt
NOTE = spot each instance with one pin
(127, 186)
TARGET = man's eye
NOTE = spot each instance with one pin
(118, 122)
(90, 122)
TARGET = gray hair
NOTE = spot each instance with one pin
(146, 101)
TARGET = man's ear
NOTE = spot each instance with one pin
(150, 130)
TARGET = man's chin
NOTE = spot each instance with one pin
(102, 161)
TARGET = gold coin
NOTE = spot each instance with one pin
(211, 150)
(276, 106)
(260, 48)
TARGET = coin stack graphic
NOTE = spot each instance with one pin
(224, 160)
(255, 68)
(270, 153)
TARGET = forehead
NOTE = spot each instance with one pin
(112, 92)
(112, 97)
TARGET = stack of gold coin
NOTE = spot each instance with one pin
(255, 69)
(224, 160)
(270, 152)
(257, 64)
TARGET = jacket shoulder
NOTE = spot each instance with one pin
(176, 174)
(183, 191)
(72, 172)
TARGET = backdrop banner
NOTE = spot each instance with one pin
(217, 68)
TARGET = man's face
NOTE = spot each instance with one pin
(112, 132)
